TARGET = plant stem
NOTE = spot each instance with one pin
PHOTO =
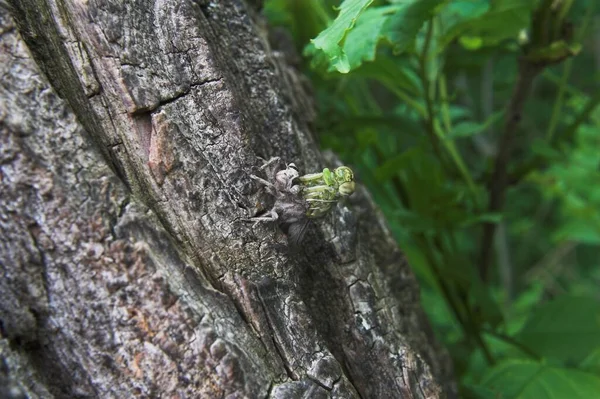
(569, 88)
(444, 99)
(429, 118)
(557, 108)
(460, 296)
(444, 285)
(499, 181)
(434, 127)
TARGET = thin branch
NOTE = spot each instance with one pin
(426, 92)
(468, 322)
(499, 181)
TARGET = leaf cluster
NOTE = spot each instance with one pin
(468, 116)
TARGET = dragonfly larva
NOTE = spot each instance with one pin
(301, 198)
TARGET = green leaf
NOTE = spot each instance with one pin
(304, 19)
(504, 19)
(423, 270)
(469, 128)
(482, 218)
(461, 10)
(478, 392)
(566, 329)
(402, 27)
(471, 43)
(330, 41)
(455, 19)
(522, 379)
(361, 42)
(486, 309)
(591, 363)
(394, 165)
(392, 74)
(383, 124)
(460, 112)
(544, 149)
(413, 221)
(554, 53)
(523, 306)
(584, 230)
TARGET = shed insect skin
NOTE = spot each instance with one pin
(298, 199)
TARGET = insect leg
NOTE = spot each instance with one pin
(320, 200)
(269, 162)
(263, 181)
(272, 217)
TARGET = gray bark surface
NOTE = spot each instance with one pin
(129, 131)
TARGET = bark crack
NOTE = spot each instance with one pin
(290, 373)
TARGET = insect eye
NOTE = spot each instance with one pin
(347, 188)
(344, 173)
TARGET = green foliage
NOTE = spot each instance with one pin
(570, 179)
(533, 380)
(488, 23)
(402, 27)
(417, 97)
(564, 330)
(330, 40)
(361, 42)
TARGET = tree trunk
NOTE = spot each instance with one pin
(129, 132)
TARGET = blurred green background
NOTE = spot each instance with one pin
(475, 125)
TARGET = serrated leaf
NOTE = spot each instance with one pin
(330, 40)
(566, 329)
(402, 27)
(361, 42)
(523, 379)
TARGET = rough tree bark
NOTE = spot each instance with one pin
(129, 131)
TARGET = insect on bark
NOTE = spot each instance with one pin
(298, 199)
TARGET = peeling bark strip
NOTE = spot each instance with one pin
(127, 267)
